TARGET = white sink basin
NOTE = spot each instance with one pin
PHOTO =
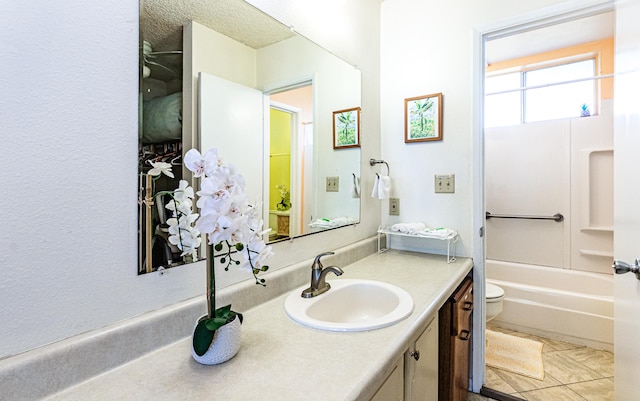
(351, 305)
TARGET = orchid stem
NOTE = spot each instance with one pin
(211, 280)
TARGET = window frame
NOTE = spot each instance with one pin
(523, 69)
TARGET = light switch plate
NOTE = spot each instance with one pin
(333, 184)
(445, 183)
(394, 206)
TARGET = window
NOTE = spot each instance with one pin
(540, 94)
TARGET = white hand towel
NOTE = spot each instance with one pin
(376, 184)
(384, 187)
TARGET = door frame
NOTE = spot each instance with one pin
(557, 14)
(295, 165)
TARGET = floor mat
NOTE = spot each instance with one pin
(514, 354)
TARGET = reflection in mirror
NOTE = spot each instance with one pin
(259, 93)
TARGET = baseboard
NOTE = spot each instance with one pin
(497, 395)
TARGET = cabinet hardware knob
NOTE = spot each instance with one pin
(416, 355)
(464, 335)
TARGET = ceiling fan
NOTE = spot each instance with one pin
(150, 58)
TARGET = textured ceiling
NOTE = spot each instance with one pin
(161, 22)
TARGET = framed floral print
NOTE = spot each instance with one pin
(346, 128)
(423, 118)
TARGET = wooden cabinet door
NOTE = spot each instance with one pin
(455, 334)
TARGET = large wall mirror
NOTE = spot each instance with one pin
(286, 112)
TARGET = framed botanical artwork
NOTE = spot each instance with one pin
(423, 118)
(346, 128)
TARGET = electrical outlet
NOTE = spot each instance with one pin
(333, 184)
(445, 183)
(394, 206)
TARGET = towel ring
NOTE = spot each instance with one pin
(373, 162)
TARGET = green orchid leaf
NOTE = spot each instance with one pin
(215, 323)
(222, 316)
(202, 338)
(223, 311)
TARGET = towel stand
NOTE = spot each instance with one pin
(373, 162)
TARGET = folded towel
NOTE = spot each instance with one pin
(436, 232)
(337, 222)
(409, 228)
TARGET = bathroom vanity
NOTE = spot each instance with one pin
(280, 359)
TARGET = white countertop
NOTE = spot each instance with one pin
(282, 360)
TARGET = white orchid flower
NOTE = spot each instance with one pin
(232, 180)
(161, 168)
(217, 227)
(202, 165)
(213, 195)
(184, 207)
(185, 222)
(188, 241)
(183, 192)
(255, 253)
(182, 233)
(225, 213)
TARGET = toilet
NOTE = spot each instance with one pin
(494, 296)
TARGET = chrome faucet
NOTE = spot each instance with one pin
(318, 275)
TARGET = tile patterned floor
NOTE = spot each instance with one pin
(572, 373)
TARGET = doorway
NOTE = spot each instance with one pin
(290, 161)
(542, 19)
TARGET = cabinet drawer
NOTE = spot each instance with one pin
(462, 309)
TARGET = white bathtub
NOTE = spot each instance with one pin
(556, 303)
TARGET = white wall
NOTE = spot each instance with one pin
(427, 47)
(559, 166)
(528, 170)
(69, 130)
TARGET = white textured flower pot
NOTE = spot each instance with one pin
(225, 344)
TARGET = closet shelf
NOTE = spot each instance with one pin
(451, 240)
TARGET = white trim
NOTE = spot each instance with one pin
(477, 118)
(556, 14)
(544, 17)
(570, 81)
(295, 165)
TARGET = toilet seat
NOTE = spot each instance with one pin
(493, 292)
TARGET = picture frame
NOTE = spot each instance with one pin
(423, 118)
(346, 128)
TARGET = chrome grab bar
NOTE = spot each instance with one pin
(556, 217)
